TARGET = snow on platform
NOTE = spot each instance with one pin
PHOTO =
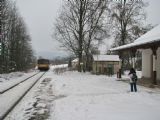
(91, 97)
(83, 96)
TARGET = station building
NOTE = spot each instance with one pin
(149, 44)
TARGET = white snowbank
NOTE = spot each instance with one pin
(14, 78)
(5, 77)
(58, 66)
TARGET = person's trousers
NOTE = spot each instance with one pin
(133, 87)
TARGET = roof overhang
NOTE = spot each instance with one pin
(103, 58)
(151, 39)
(138, 45)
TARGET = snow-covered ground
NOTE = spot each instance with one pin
(83, 96)
(13, 78)
(91, 97)
(7, 77)
(8, 99)
(58, 66)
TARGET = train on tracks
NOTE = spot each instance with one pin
(43, 64)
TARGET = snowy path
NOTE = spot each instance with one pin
(82, 96)
(8, 99)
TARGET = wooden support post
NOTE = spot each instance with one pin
(120, 65)
(154, 72)
(133, 52)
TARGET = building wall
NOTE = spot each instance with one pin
(74, 65)
(97, 67)
(146, 63)
(158, 64)
(101, 66)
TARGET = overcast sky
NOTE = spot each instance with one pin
(40, 16)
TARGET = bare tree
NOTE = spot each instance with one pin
(80, 22)
(127, 18)
(127, 15)
(96, 26)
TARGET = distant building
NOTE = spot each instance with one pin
(105, 64)
(75, 64)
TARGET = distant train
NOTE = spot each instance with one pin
(43, 64)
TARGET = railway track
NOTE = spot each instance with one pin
(8, 108)
(16, 84)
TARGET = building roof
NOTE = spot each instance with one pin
(75, 60)
(106, 58)
(153, 36)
